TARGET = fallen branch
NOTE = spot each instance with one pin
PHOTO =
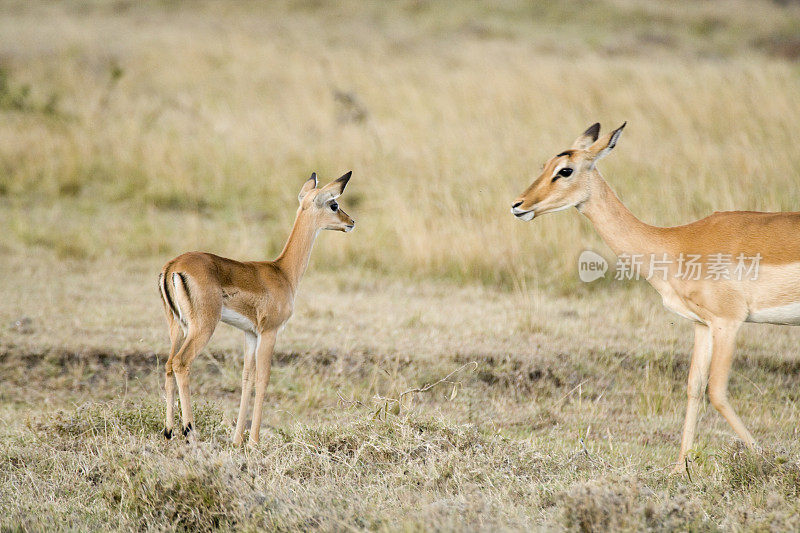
(394, 405)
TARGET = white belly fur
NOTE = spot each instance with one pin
(229, 316)
(788, 315)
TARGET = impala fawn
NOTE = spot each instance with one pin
(199, 290)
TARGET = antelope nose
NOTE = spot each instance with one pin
(516, 204)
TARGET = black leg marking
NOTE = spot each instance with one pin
(167, 433)
(187, 429)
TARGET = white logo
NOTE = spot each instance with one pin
(591, 266)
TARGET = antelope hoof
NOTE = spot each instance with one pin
(167, 434)
(188, 432)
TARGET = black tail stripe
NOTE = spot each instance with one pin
(170, 303)
(185, 285)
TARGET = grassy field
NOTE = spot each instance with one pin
(133, 131)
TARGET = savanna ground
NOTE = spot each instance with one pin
(130, 132)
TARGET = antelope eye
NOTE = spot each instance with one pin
(563, 173)
(334, 206)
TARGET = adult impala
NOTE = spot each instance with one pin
(766, 245)
(199, 290)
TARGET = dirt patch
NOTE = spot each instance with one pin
(349, 363)
(784, 46)
(134, 360)
(520, 373)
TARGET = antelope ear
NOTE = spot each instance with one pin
(333, 190)
(603, 146)
(587, 137)
(308, 186)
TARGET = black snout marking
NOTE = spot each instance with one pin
(516, 205)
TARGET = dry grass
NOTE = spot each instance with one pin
(551, 430)
(131, 131)
(197, 122)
